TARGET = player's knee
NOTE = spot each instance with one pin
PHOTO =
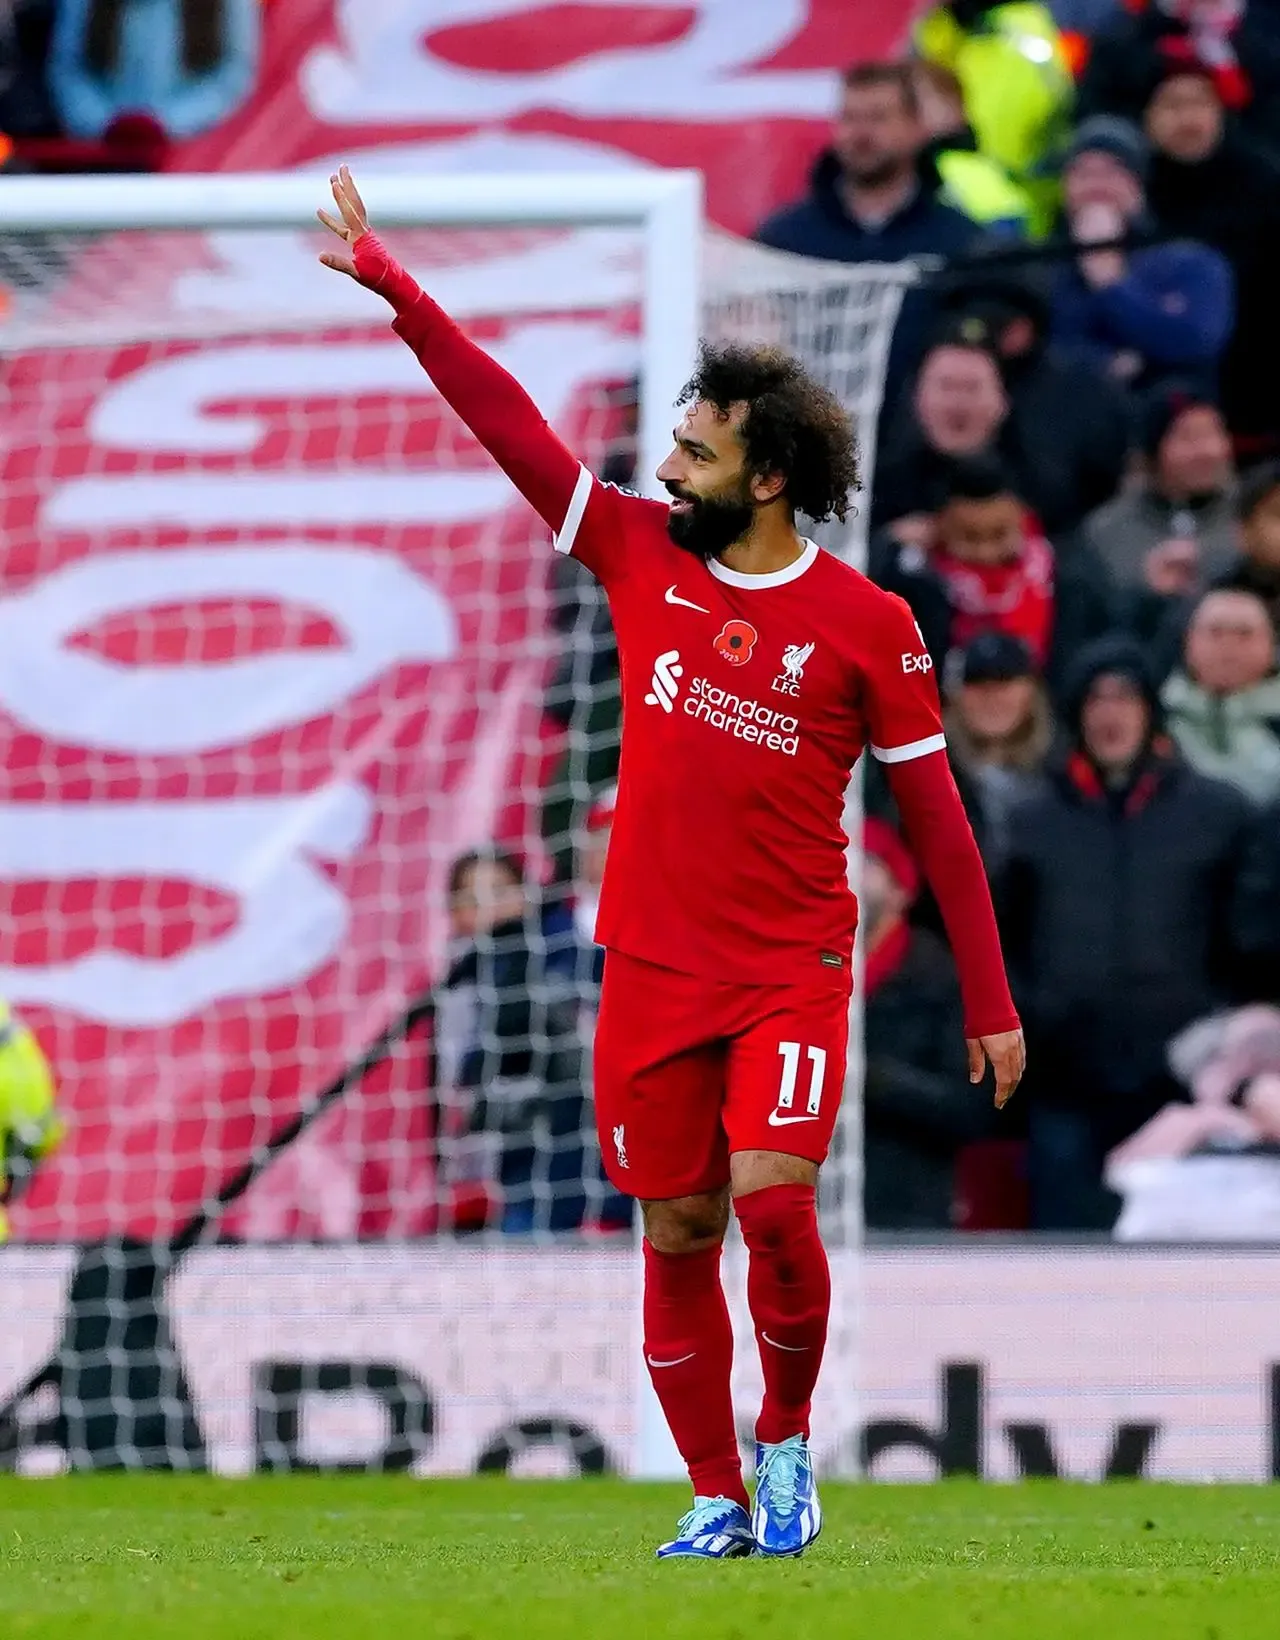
(687, 1225)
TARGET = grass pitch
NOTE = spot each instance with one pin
(364, 1558)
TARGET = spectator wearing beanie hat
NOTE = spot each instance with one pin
(1210, 181)
(1113, 901)
(919, 1108)
(1174, 530)
(1142, 314)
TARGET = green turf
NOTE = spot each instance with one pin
(363, 1558)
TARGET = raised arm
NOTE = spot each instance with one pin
(487, 398)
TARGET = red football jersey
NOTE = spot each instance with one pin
(747, 699)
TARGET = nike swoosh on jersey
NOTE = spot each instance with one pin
(673, 598)
(785, 1121)
(675, 1363)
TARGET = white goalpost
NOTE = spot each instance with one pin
(276, 641)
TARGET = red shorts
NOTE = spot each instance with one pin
(689, 1070)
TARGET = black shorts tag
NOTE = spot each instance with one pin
(831, 959)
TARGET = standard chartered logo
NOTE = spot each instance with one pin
(664, 685)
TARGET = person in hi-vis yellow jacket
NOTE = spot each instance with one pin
(30, 1127)
(1014, 69)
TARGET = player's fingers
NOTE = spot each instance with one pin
(353, 194)
(1009, 1070)
(332, 223)
(352, 226)
(340, 264)
(977, 1060)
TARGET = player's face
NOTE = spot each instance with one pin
(982, 532)
(714, 498)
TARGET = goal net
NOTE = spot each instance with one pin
(308, 740)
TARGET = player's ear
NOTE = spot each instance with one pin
(767, 487)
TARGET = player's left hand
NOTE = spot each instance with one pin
(1007, 1054)
(353, 225)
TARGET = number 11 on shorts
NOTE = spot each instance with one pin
(817, 1058)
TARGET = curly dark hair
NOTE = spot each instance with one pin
(793, 425)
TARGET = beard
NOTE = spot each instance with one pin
(873, 173)
(711, 525)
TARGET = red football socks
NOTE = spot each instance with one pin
(688, 1347)
(789, 1295)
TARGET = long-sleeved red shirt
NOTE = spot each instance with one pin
(747, 699)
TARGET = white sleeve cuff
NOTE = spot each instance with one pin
(568, 533)
(916, 748)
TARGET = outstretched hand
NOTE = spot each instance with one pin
(351, 222)
(1007, 1053)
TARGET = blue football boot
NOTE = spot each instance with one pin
(787, 1516)
(714, 1529)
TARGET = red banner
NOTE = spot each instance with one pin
(272, 637)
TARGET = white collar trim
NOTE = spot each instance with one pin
(778, 577)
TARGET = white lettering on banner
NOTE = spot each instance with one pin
(165, 404)
(586, 268)
(261, 850)
(210, 501)
(386, 613)
(955, 1348)
(389, 72)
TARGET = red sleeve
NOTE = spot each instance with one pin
(902, 695)
(581, 511)
(942, 840)
(905, 719)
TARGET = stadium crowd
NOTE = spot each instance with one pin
(1076, 489)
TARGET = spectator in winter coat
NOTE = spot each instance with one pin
(959, 407)
(1257, 569)
(919, 1107)
(1166, 537)
(1017, 87)
(999, 729)
(1116, 902)
(984, 566)
(873, 198)
(509, 1048)
(1209, 182)
(1142, 314)
(1258, 911)
(1070, 425)
(1238, 39)
(1223, 704)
